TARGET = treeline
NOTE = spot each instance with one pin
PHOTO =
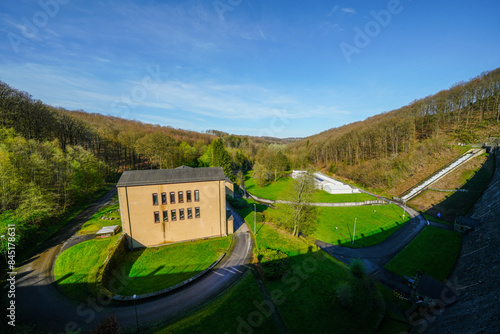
(39, 181)
(464, 113)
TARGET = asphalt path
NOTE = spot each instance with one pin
(39, 301)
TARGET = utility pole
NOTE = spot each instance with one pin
(354, 232)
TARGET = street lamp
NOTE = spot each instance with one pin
(3, 248)
(136, 317)
(354, 232)
(404, 209)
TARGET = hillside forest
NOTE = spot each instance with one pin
(53, 160)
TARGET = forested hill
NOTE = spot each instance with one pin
(385, 150)
(52, 159)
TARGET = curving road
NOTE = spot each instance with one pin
(39, 301)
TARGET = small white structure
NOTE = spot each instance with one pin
(107, 231)
(328, 184)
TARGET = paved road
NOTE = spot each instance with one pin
(39, 301)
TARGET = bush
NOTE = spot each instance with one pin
(357, 268)
(274, 262)
(237, 203)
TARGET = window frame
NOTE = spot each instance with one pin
(190, 213)
(164, 198)
(157, 217)
(180, 196)
(173, 215)
(197, 213)
(155, 199)
(165, 216)
(181, 214)
(172, 197)
(188, 196)
(196, 195)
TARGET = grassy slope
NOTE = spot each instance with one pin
(306, 294)
(158, 268)
(76, 267)
(473, 177)
(371, 221)
(434, 251)
(226, 313)
(95, 223)
(275, 190)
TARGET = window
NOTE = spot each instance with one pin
(196, 195)
(197, 212)
(157, 217)
(188, 195)
(190, 213)
(155, 199)
(174, 217)
(181, 197)
(181, 214)
(165, 216)
(172, 197)
(163, 198)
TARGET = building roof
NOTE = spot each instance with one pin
(167, 176)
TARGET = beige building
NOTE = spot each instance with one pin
(171, 205)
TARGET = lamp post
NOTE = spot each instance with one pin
(354, 232)
(3, 248)
(254, 219)
(136, 316)
(404, 209)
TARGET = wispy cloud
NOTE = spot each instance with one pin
(349, 10)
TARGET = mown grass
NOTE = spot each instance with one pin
(96, 222)
(272, 190)
(373, 224)
(227, 313)
(434, 251)
(76, 268)
(322, 196)
(276, 190)
(156, 268)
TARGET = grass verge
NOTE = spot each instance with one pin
(434, 251)
(96, 222)
(374, 224)
(157, 268)
(76, 268)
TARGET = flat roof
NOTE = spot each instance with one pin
(168, 176)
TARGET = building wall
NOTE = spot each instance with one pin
(137, 203)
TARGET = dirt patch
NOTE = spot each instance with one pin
(429, 200)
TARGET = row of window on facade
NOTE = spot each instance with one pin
(180, 197)
(173, 214)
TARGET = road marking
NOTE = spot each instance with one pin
(217, 273)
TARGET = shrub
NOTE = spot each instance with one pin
(274, 262)
(357, 268)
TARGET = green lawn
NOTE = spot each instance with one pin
(95, 223)
(272, 190)
(373, 224)
(322, 196)
(156, 268)
(227, 313)
(76, 268)
(275, 191)
(434, 251)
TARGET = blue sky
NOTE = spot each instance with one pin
(255, 67)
